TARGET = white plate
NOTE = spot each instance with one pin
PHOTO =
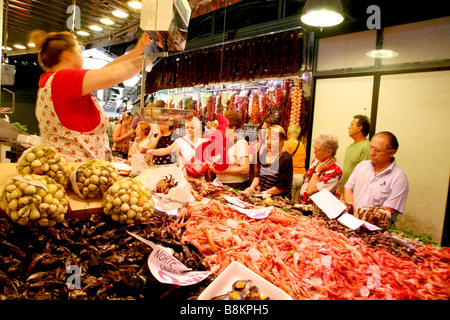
(236, 271)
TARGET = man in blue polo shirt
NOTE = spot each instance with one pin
(379, 181)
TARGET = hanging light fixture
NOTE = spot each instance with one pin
(322, 13)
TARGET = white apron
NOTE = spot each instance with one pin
(74, 145)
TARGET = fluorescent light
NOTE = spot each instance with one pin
(120, 14)
(382, 54)
(135, 4)
(19, 46)
(82, 33)
(31, 45)
(95, 27)
(107, 21)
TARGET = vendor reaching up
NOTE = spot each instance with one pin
(70, 117)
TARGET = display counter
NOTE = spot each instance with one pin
(306, 257)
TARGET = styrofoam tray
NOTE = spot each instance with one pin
(236, 271)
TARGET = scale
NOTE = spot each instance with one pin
(166, 22)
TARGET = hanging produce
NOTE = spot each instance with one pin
(210, 108)
(243, 109)
(254, 117)
(285, 106)
(279, 97)
(268, 106)
(296, 99)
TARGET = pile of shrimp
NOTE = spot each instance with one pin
(308, 261)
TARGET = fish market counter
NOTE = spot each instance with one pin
(286, 254)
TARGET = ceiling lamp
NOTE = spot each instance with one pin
(106, 21)
(94, 27)
(135, 4)
(82, 33)
(120, 14)
(19, 46)
(322, 13)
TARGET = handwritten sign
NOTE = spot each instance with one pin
(168, 269)
(238, 202)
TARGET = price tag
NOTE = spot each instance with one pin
(168, 269)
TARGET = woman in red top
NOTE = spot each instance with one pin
(70, 117)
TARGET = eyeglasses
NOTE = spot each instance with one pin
(317, 149)
(376, 150)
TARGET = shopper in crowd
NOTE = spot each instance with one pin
(237, 173)
(256, 146)
(359, 150)
(141, 141)
(110, 130)
(70, 117)
(298, 153)
(184, 146)
(122, 135)
(325, 172)
(378, 181)
(274, 170)
(163, 139)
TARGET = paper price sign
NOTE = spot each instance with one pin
(168, 269)
(254, 213)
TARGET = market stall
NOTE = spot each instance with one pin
(304, 254)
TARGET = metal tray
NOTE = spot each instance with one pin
(154, 115)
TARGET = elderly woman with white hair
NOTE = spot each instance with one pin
(325, 172)
(185, 146)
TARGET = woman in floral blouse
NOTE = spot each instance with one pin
(325, 172)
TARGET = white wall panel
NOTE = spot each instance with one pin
(336, 102)
(416, 108)
(421, 41)
(346, 51)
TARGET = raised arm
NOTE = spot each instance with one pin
(117, 71)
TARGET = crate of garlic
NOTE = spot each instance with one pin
(93, 178)
(43, 160)
(34, 200)
(128, 201)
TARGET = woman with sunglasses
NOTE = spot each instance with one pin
(70, 117)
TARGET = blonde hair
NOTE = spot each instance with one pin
(294, 130)
(51, 45)
(279, 129)
(144, 126)
(197, 127)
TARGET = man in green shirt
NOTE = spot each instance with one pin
(359, 150)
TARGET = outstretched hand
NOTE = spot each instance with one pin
(143, 41)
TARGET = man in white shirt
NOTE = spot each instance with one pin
(379, 181)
